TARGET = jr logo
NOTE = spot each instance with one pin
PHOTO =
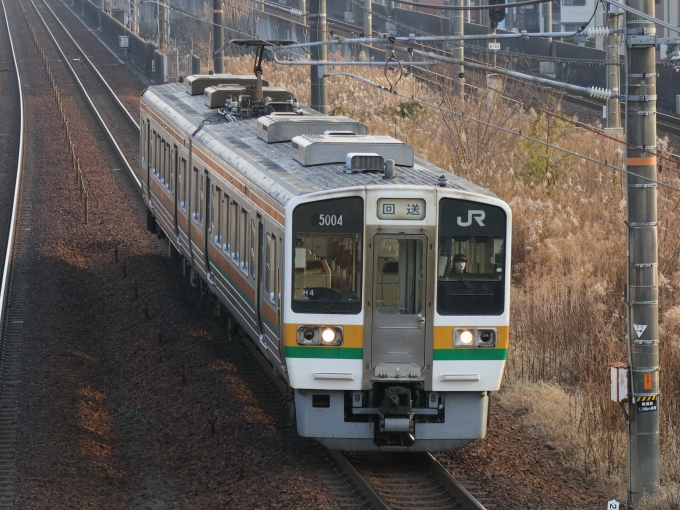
(477, 215)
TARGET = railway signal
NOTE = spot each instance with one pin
(496, 14)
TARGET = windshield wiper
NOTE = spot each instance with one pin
(460, 275)
(335, 300)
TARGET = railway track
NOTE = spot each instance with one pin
(433, 487)
(14, 232)
(119, 127)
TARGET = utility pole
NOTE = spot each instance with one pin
(457, 27)
(302, 5)
(318, 28)
(613, 75)
(643, 275)
(163, 25)
(218, 38)
(368, 18)
(547, 19)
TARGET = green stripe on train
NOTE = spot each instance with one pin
(231, 282)
(470, 354)
(312, 351)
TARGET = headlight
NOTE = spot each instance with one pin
(319, 335)
(478, 337)
(463, 337)
(331, 336)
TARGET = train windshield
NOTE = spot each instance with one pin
(471, 263)
(327, 258)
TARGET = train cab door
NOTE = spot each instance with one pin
(399, 313)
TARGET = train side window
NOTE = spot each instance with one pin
(251, 255)
(174, 168)
(168, 168)
(183, 184)
(164, 165)
(157, 160)
(201, 199)
(216, 213)
(194, 201)
(243, 240)
(233, 230)
(224, 218)
(270, 269)
(152, 155)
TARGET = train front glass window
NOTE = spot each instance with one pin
(328, 256)
(471, 259)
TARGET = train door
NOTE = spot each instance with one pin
(174, 187)
(399, 295)
(208, 220)
(259, 280)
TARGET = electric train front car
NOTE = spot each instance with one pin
(389, 343)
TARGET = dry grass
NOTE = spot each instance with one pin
(568, 256)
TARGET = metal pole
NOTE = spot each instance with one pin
(302, 5)
(643, 278)
(163, 25)
(218, 37)
(457, 27)
(613, 77)
(368, 18)
(319, 53)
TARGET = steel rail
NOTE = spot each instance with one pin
(17, 186)
(364, 485)
(439, 472)
(113, 95)
(119, 152)
(450, 482)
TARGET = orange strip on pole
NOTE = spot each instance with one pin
(642, 161)
(648, 381)
(217, 11)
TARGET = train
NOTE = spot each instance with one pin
(375, 284)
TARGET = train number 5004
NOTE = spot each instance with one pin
(330, 220)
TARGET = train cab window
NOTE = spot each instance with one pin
(183, 184)
(471, 259)
(328, 256)
(270, 268)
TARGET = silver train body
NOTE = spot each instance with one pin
(374, 283)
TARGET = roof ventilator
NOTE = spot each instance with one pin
(390, 169)
(364, 162)
(312, 150)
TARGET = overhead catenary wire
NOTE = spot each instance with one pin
(501, 128)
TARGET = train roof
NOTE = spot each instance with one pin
(270, 166)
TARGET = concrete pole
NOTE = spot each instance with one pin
(318, 29)
(218, 37)
(547, 19)
(643, 276)
(613, 75)
(457, 27)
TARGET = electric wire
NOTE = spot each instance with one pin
(506, 130)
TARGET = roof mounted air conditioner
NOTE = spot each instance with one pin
(323, 149)
(197, 83)
(284, 127)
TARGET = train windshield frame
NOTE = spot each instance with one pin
(328, 245)
(471, 272)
